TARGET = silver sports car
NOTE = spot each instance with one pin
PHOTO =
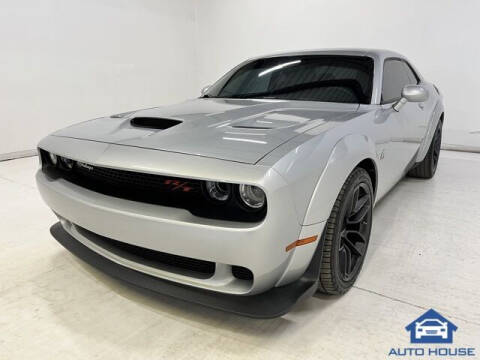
(257, 193)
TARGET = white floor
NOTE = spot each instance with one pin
(424, 253)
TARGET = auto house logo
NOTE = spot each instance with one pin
(435, 333)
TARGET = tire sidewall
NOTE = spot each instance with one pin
(363, 177)
(437, 136)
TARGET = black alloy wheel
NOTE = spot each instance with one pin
(437, 142)
(346, 235)
(428, 166)
(355, 231)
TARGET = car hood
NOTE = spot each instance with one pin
(229, 129)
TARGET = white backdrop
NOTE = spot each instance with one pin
(63, 61)
(441, 37)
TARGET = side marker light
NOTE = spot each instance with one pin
(300, 242)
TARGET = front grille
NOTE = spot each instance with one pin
(132, 180)
(173, 263)
(149, 188)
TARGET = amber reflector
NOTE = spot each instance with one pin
(301, 242)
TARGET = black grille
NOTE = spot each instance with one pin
(169, 262)
(150, 188)
(133, 180)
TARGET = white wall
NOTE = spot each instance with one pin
(439, 36)
(63, 61)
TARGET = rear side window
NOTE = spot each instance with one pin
(396, 74)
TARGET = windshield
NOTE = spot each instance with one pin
(343, 79)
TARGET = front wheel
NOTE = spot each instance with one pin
(347, 233)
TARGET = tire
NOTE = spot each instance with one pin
(427, 168)
(346, 235)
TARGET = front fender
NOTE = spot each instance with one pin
(316, 177)
(317, 166)
(345, 156)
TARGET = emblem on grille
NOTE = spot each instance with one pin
(85, 166)
(177, 185)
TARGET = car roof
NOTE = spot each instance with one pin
(379, 54)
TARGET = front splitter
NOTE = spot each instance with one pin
(270, 304)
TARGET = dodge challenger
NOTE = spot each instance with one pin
(254, 195)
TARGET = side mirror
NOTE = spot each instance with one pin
(204, 90)
(411, 93)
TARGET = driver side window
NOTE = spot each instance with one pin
(396, 74)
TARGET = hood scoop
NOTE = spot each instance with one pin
(154, 123)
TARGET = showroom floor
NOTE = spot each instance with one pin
(424, 253)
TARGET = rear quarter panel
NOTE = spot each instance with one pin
(435, 108)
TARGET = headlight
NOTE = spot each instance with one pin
(68, 163)
(218, 191)
(53, 158)
(252, 196)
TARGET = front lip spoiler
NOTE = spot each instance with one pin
(270, 304)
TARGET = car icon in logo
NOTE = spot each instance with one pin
(431, 327)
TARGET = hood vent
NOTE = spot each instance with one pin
(251, 127)
(154, 123)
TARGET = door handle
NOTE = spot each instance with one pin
(421, 106)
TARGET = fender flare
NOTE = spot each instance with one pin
(437, 114)
(347, 153)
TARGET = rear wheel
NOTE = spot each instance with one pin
(347, 234)
(427, 168)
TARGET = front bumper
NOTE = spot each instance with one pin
(272, 303)
(259, 247)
